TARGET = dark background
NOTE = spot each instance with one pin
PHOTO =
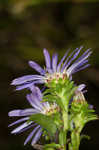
(26, 27)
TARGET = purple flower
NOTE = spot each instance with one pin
(80, 90)
(69, 64)
(79, 93)
(37, 107)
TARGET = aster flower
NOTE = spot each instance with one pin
(34, 100)
(68, 65)
(79, 91)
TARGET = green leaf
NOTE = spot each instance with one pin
(46, 122)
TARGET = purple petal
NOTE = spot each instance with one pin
(24, 86)
(49, 70)
(29, 85)
(27, 78)
(47, 58)
(79, 66)
(20, 112)
(36, 91)
(82, 56)
(36, 137)
(54, 62)
(73, 66)
(74, 57)
(37, 67)
(18, 121)
(81, 87)
(38, 82)
(18, 129)
(59, 65)
(34, 102)
(66, 61)
(31, 135)
(28, 127)
(82, 63)
(82, 68)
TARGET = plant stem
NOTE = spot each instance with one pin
(75, 140)
(65, 120)
(63, 132)
(62, 139)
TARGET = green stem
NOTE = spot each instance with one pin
(65, 120)
(62, 139)
(75, 140)
(64, 130)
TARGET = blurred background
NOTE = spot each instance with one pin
(28, 26)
